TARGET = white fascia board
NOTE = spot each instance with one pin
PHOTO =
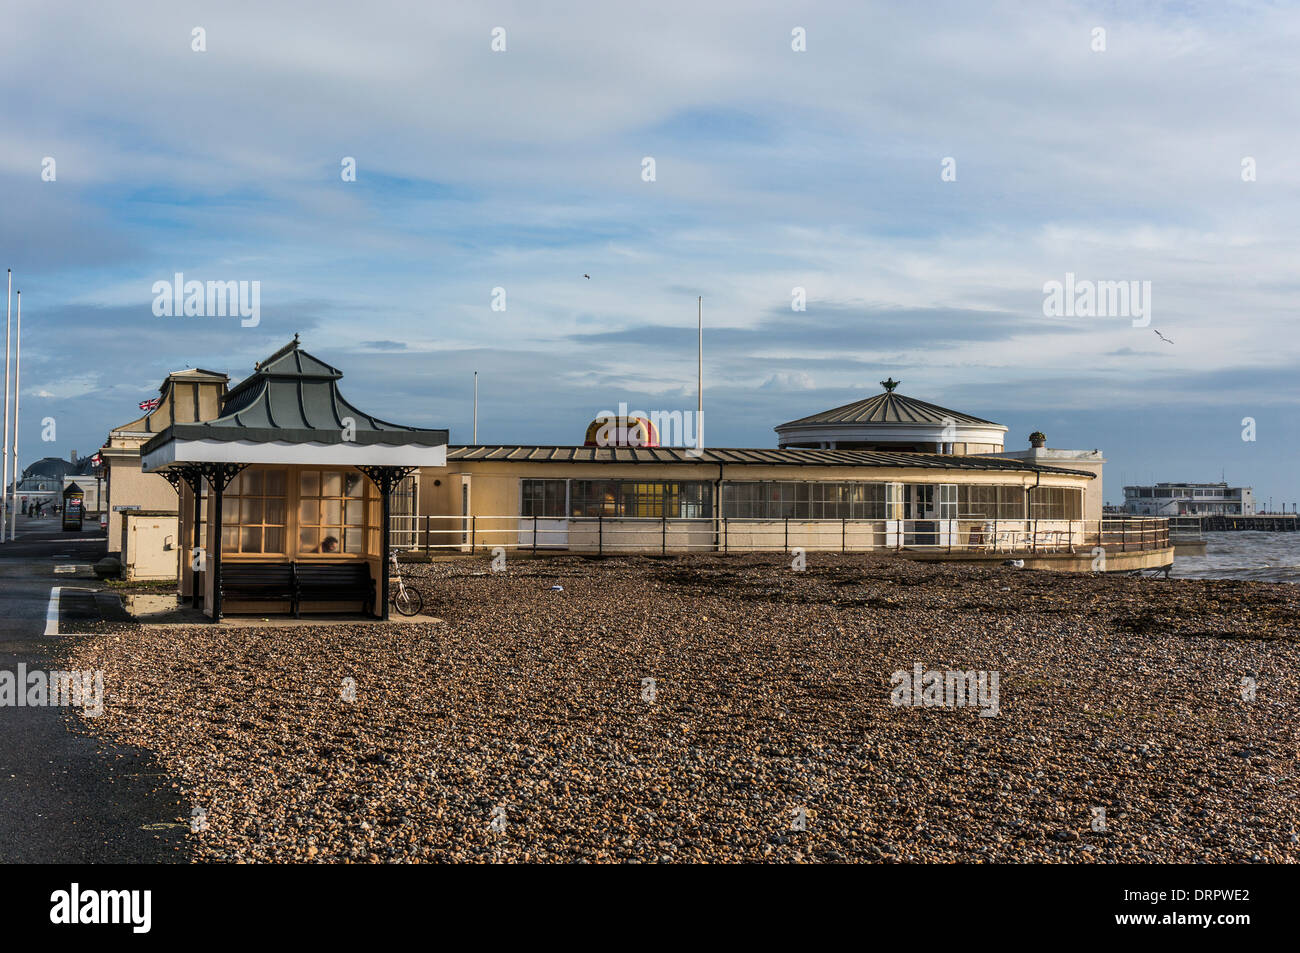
(921, 433)
(310, 454)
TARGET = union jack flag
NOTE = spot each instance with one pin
(150, 404)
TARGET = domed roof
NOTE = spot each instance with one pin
(890, 408)
(891, 421)
(54, 468)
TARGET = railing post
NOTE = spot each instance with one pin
(726, 540)
(844, 535)
(473, 531)
(787, 534)
(534, 534)
(428, 522)
(663, 545)
(600, 534)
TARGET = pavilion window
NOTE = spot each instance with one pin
(1057, 503)
(894, 501)
(595, 498)
(740, 500)
(977, 501)
(544, 498)
(634, 499)
(695, 500)
(648, 500)
(335, 510)
(254, 513)
(815, 500)
(1011, 502)
(990, 502)
(948, 505)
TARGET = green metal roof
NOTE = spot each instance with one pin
(293, 397)
(890, 408)
(732, 457)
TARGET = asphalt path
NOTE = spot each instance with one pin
(66, 797)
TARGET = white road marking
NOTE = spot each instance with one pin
(52, 612)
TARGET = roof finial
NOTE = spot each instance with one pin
(889, 384)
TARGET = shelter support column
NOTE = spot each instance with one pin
(190, 476)
(385, 480)
(218, 476)
(194, 479)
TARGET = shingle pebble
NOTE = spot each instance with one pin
(728, 708)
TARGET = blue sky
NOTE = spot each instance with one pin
(775, 169)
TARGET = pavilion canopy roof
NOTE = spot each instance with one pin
(290, 411)
(888, 409)
(746, 457)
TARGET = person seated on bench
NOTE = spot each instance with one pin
(330, 544)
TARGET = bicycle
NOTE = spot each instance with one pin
(406, 601)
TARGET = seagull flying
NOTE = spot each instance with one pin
(1162, 337)
(588, 277)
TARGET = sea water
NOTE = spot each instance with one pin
(1266, 557)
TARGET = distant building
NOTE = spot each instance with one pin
(1189, 499)
(45, 480)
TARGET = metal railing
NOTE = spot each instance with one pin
(603, 534)
(1185, 529)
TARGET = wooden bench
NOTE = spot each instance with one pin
(299, 583)
(334, 582)
(258, 581)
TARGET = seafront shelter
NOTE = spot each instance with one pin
(285, 496)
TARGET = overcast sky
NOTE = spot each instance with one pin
(775, 169)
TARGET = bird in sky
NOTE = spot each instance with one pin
(588, 277)
(1162, 337)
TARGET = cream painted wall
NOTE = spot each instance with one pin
(131, 486)
(150, 546)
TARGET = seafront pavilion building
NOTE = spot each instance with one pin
(877, 489)
(285, 495)
(612, 499)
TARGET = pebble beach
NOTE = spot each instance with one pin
(730, 709)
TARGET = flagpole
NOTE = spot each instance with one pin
(18, 375)
(9, 315)
(699, 369)
(475, 438)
